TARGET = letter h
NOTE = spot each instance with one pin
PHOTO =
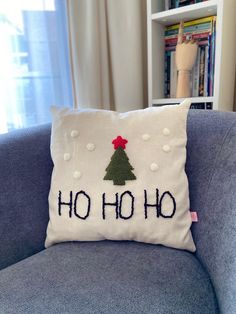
(60, 203)
(146, 205)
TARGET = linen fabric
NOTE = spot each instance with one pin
(120, 176)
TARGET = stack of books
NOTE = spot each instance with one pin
(173, 4)
(202, 77)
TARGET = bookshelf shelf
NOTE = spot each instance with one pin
(224, 71)
(189, 12)
(166, 101)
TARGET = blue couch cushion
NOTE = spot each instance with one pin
(107, 277)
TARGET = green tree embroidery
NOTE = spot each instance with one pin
(119, 169)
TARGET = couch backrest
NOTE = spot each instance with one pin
(211, 169)
(25, 172)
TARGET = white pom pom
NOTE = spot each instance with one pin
(74, 133)
(90, 147)
(154, 167)
(77, 174)
(166, 148)
(166, 131)
(146, 137)
(67, 156)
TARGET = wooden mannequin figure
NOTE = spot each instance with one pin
(186, 54)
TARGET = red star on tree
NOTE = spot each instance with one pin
(119, 142)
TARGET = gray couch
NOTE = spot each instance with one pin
(119, 277)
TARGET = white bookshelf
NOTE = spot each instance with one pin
(225, 60)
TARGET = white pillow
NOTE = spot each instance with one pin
(120, 176)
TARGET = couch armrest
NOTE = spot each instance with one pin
(211, 168)
(25, 171)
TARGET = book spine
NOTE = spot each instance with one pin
(189, 29)
(206, 71)
(168, 74)
(213, 55)
(212, 60)
(165, 74)
(172, 4)
(209, 67)
(184, 3)
(195, 75)
(200, 36)
(193, 32)
(193, 22)
(201, 71)
(170, 48)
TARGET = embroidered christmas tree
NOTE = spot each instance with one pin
(119, 169)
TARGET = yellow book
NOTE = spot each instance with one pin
(193, 22)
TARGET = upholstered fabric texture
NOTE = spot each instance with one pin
(25, 172)
(107, 277)
(211, 169)
(120, 176)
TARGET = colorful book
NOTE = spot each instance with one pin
(167, 73)
(201, 38)
(195, 75)
(206, 27)
(192, 22)
(201, 71)
(180, 3)
(212, 67)
(205, 93)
